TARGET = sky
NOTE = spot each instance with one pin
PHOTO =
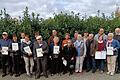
(46, 8)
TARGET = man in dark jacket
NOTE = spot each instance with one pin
(40, 56)
(69, 53)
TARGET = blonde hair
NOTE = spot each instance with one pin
(110, 34)
(56, 38)
(79, 36)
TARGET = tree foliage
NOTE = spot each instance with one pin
(62, 22)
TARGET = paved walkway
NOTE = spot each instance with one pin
(75, 76)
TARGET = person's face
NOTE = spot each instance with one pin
(27, 38)
(23, 35)
(54, 33)
(75, 35)
(79, 38)
(85, 34)
(67, 37)
(110, 37)
(101, 31)
(90, 37)
(69, 43)
(5, 36)
(14, 38)
(39, 40)
(117, 30)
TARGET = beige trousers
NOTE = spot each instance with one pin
(27, 65)
(79, 63)
(111, 63)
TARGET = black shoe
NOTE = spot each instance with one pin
(87, 70)
(118, 71)
(64, 72)
(46, 76)
(4, 75)
(11, 74)
(17, 75)
(94, 70)
(37, 77)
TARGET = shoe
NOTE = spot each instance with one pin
(118, 71)
(111, 74)
(52, 74)
(87, 70)
(108, 73)
(77, 71)
(11, 74)
(101, 71)
(4, 75)
(46, 76)
(37, 77)
(94, 70)
(17, 75)
(29, 75)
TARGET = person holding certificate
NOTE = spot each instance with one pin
(112, 53)
(80, 48)
(55, 56)
(101, 49)
(68, 55)
(117, 37)
(4, 48)
(15, 55)
(26, 48)
(40, 51)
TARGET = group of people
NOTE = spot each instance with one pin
(60, 56)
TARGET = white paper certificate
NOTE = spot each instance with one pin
(39, 52)
(5, 50)
(100, 55)
(109, 50)
(56, 50)
(65, 62)
(15, 46)
(22, 40)
(27, 50)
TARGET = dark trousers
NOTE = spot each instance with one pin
(88, 62)
(118, 59)
(100, 64)
(56, 66)
(41, 66)
(5, 59)
(16, 63)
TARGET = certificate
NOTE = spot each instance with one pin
(39, 52)
(100, 55)
(65, 62)
(110, 51)
(5, 50)
(56, 50)
(15, 46)
(27, 50)
(22, 40)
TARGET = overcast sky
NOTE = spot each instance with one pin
(46, 8)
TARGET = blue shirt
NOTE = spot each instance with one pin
(5, 43)
(78, 45)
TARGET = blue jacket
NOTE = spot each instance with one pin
(116, 45)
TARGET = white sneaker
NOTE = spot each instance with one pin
(108, 73)
(112, 74)
(76, 71)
